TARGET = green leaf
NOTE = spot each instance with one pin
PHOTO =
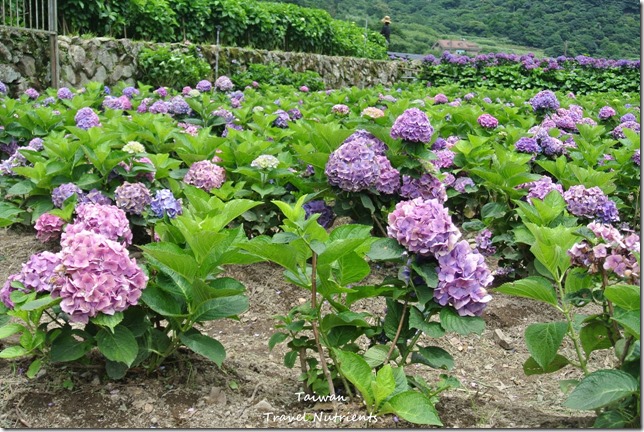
(34, 368)
(431, 329)
(386, 249)
(452, 321)
(415, 408)
(384, 385)
(533, 287)
(595, 336)
(204, 345)
(433, 356)
(493, 210)
(543, 341)
(630, 320)
(278, 337)
(119, 345)
(290, 358)
(173, 257)
(161, 302)
(41, 303)
(625, 296)
(338, 249)
(601, 388)
(115, 370)
(358, 372)
(576, 280)
(109, 321)
(612, 419)
(221, 307)
(67, 348)
(428, 273)
(351, 269)
(531, 367)
(13, 352)
(376, 355)
(11, 329)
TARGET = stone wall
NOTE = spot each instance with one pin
(25, 62)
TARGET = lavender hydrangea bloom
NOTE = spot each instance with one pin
(590, 203)
(618, 132)
(544, 100)
(7, 289)
(487, 100)
(95, 197)
(484, 242)
(606, 112)
(130, 92)
(628, 117)
(352, 166)
(230, 126)
(223, 83)
(426, 187)
(36, 274)
(282, 119)
(106, 220)
(445, 158)
(32, 93)
(469, 96)
(340, 109)
(3, 88)
(164, 202)
(527, 145)
(541, 188)
(117, 103)
(327, 216)
(552, 146)
(161, 92)
(48, 227)
(388, 181)
(96, 275)
(64, 191)
(48, 101)
(86, 118)
(132, 197)
(487, 121)
(370, 140)
(178, 106)
(159, 107)
(423, 227)
(440, 98)
(636, 157)
(36, 144)
(294, 114)
(204, 86)
(462, 280)
(205, 175)
(412, 125)
(224, 114)
(461, 183)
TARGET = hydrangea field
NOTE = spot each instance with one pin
(427, 199)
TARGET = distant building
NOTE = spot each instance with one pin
(457, 46)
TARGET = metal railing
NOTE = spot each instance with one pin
(36, 16)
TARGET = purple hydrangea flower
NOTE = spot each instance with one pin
(294, 114)
(591, 203)
(132, 197)
(282, 119)
(230, 126)
(36, 144)
(32, 93)
(388, 181)
(445, 158)
(48, 227)
(304, 89)
(204, 86)
(7, 289)
(130, 92)
(606, 112)
(484, 242)
(3, 88)
(48, 101)
(224, 114)
(64, 191)
(541, 188)
(487, 121)
(327, 216)
(164, 202)
(223, 83)
(178, 106)
(423, 227)
(86, 118)
(469, 96)
(527, 145)
(96, 275)
(95, 197)
(186, 90)
(461, 183)
(440, 98)
(426, 186)
(205, 175)
(159, 107)
(161, 92)
(117, 103)
(544, 100)
(618, 132)
(636, 157)
(628, 117)
(36, 274)
(352, 166)
(412, 125)
(340, 109)
(462, 280)
(370, 140)
(487, 100)
(106, 220)
(552, 146)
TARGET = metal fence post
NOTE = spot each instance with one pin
(53, 43)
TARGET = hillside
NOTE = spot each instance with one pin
(591, 27)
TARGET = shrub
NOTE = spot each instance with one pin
(171, 67)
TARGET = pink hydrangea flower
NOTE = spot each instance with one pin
(48, 227)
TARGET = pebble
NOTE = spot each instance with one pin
(263, 406)
(301, 300)
(148, 409)
(217, 396)
(502, 340)
(96, 381)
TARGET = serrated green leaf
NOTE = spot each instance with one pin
(109, 321)
(376, 355)
(13, 352)
(120, 346)
(386, 249)
(531, 367)
(602, 388)
(275, 339)
(464, 325)
(358, 372)
(595, 336)
(543, 341)
(433, 356)
(204, 345)
(384, 385)
(415, 408)
(625, 296)
(220, 307)
(11, 329)
(533, 287)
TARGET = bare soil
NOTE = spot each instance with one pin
(191, 392)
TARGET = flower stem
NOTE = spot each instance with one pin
(398, 331)
(316, 334)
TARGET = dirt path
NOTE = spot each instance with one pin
(253, 382)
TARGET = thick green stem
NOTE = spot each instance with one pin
(572, 334)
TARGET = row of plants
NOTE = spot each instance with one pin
(530, 193)
(579, 74)
(256, 24)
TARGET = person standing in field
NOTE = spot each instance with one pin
(386, 30)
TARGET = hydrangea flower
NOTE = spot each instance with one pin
(387, 98)
(327, 216)
(370, 140)
(527, 145)
(628, 117)
(294, 114)
(224, 114)
(159, 107)
(469, 96)
(462, 280)
(186, 90)
(591, 203)
(130, 92)
(340, 109)
(487, 121)
(190, 129)
(544, 100)
(412, 125)
(133, 147)
(618, 132)
(161, 92)
(178, 106)
(223, 83)
(36, 274)
(304, 89)
(48, 101)
(552, 146)
(423, 227)
(32, 93)
(484, 242)
(64, 191)
(440, 98)
(132, 197)
(636, 157)
(426, 186)
(36, 144)
(204, 86)
(372, 112)
(3, 88)
(541, 188)
(96, 275)
(106, 220)
(117, 103)
(143, 106)
(86, 118)
(48, 227)
(388, 181)
(7, 289)
(164, 202)
(352, 166)
(230, 126)
(95, 197)
(282, 119)
(445, 158)
(461, 183)
(606, 112)
(205, 175)
(265, 162)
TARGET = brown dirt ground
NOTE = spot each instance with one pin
(193, 393)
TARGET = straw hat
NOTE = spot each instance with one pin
(386, 20)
